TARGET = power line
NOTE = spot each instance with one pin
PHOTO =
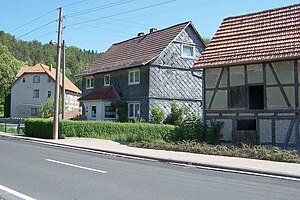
(72, 4)
(96, 32)
(32, 21)
(102, 7)
(125, 12)
(45, 34)
(36, 29)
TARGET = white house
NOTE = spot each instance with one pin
(34, 86)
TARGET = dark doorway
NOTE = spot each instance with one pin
(256, 97)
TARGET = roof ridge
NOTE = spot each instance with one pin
(159, 30)
(263, 11)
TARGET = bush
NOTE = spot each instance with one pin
(127, 132)
(122, 110)
(157, 115)
(40, 128)
(177, 114)
(245, 151)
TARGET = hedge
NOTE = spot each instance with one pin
(128, 132)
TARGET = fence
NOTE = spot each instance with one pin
(12, 125)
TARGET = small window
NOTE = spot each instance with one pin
(256, 97)
(36, 79)
(89, 82)
(109, 112)
(106, 79)
(94, 112)
(34, 112)
(133, 110)
(188, 51)
(49, 94)
(23, 80)
(246, 124)
(86, 109)
(49, 79)
(36, 93)
(134, 77)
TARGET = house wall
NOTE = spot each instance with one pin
(170, 75)
(277, 122)
(22, 94)
(71, 101)
(99, 109)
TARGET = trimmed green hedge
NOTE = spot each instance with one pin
(128, 132)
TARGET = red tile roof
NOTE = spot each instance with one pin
(104, 93)
(268, 35)
(41, 68)
(136, 51)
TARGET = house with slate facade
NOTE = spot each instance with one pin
(251, 71)
(146, 71)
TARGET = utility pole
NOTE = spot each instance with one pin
(57, 80)
(63, 80)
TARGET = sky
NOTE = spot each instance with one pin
(97, 24)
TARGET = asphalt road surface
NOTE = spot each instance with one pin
(43, 172)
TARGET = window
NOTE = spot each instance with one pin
(86, 109)
(246, 124)
(89, 82)
(188, 51)
(23, 80)
(36, 79)
(36, 93)
(109, 112)
(49, 94)
(134, 77)
(49, 79)
(94, 112)
(237, 97)
(256, 97)
(133, 110)
(106, 79)
(34, 111)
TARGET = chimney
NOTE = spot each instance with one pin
(140, 34)
(152, 30)
(50, 67)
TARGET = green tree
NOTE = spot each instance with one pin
(177, 114)
(206, 40)
(9, 67)
(157, 115)
(47, 109)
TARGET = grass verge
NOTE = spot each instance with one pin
(245, 151)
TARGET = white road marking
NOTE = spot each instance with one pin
(77, 166)
(15, 193)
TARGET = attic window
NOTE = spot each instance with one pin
(134, 77)
(36, 79)
(187, 51)
(106, 79)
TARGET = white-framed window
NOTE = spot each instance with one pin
(49, 94)
(109, 112)
(89, 81)
(94, 112)
(36, 79)
(133, 110)
(134, 77)
(187, 51)
(106, 79)
(36, 93)
(34, 112)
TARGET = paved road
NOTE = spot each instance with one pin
(44, 172)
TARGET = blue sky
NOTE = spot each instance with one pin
(119, 20)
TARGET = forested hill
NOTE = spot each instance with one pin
(33, 52)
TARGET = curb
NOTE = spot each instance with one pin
(170, 161)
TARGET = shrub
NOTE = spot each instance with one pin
(157, 115)
(122, 110)
(127, 132)
(213, 132)
(40, 128)
(177, 114)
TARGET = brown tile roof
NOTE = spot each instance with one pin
(104, 93)
(136, 51)
(71, 114)
(41, 68)
(268, 35)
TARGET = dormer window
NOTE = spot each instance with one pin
(23, 80)
(107, 80)
(89, 82)
(36, 79)
(187, 51)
